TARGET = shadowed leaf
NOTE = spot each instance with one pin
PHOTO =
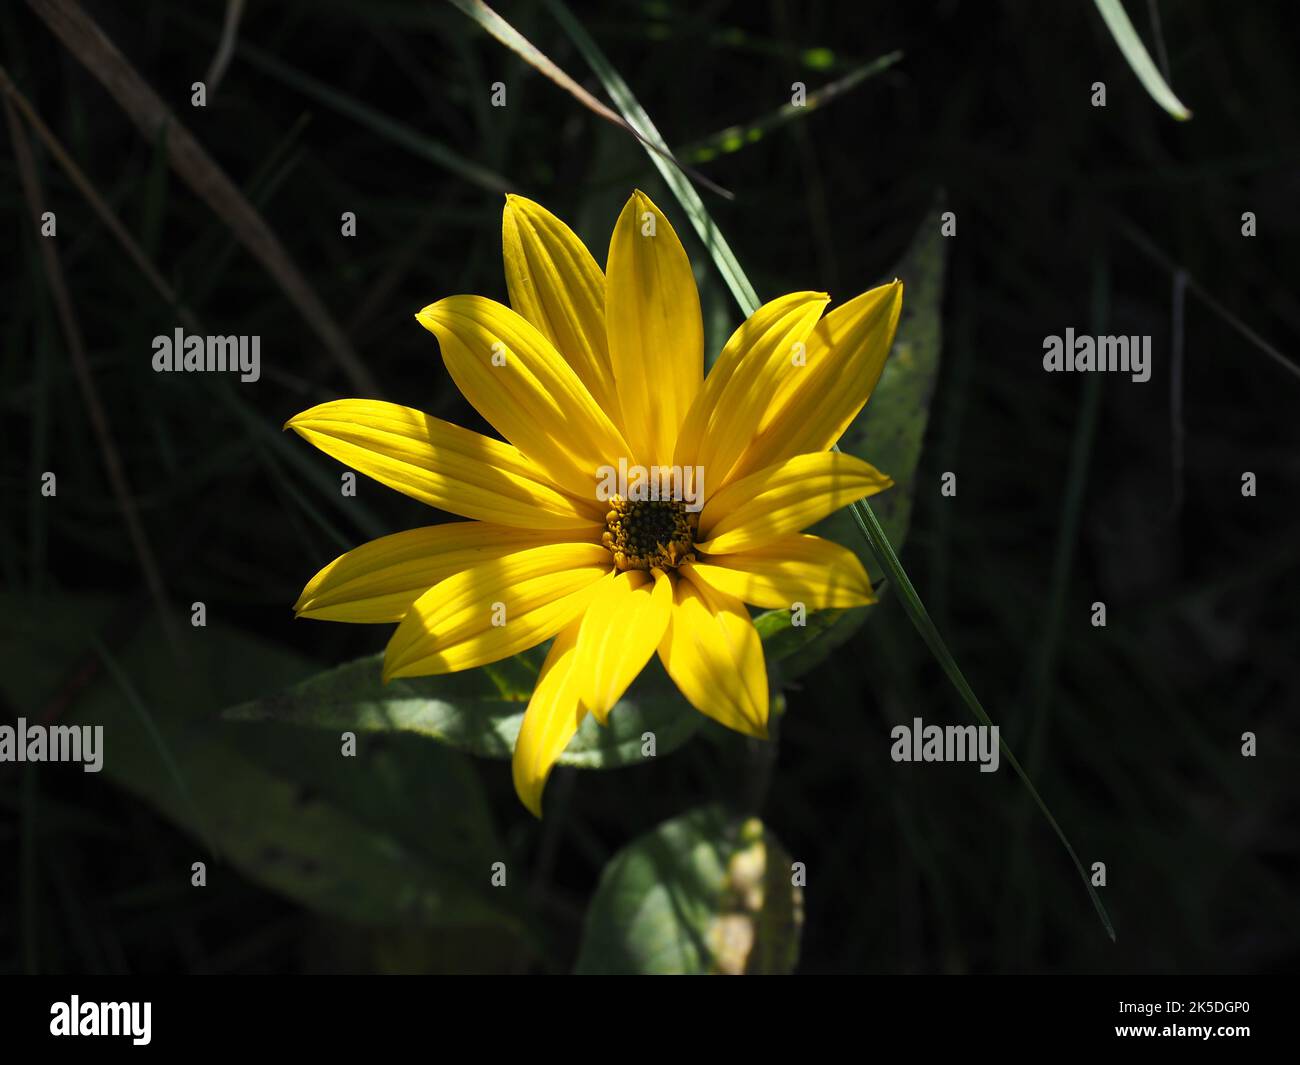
(478, 710)
(706, 892)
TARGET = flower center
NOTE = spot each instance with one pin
(643, 535)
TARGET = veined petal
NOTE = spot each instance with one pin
(784, 498)
(441, 464)
(553, 716)
(714, 655)
(656, 333)
(516, 379)
(496, 609)
(620, 631)
(378, 581)
(758, 358)
(844, 356)
(794, 568)
(557, 286)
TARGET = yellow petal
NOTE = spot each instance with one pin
(620, 631)
(725, 416)
(557, 286)
(656, 334)
(378, 581)
(516, 379)
(784, 498)
(815, 403)
(441, 464)
(713, 653)
(794, 568)
(553, 716)
(496, 609)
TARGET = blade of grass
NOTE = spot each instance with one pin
(362, 515)
(154, 208)
(132, 697)
(884, 552)
(530, 54)
(733, 138)
(226, 47)
(29, 920)
(1143, 243)
(43, 385)
(415, 142)
(1153, 9)
(866, 520)
(84, 39)
(723, 257)
(1121, 28)
(1044, 668)
(84, 185)
(90, 396)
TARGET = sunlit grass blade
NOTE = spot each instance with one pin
(733, 138)
(723, 257)
(866, 520)
(499, 28)
(1117, 21)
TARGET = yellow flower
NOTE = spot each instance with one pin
(637, 506)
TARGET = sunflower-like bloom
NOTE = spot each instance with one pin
(590, 375)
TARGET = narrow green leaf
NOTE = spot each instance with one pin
(499, 28)
(734, 138)
(478, 710)
(1117, 21)
(875, 535)
(791, 649)
(154, 208)
(124, 685)
(383, 126)
(720, 251)
(706, 892)
(891, 428)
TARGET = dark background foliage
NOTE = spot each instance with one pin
(1068, 215)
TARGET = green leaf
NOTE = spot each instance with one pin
(890, 430)
(706, 892)
(478, 710)
(794, 649)
(401, 833)
(1117, 21)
